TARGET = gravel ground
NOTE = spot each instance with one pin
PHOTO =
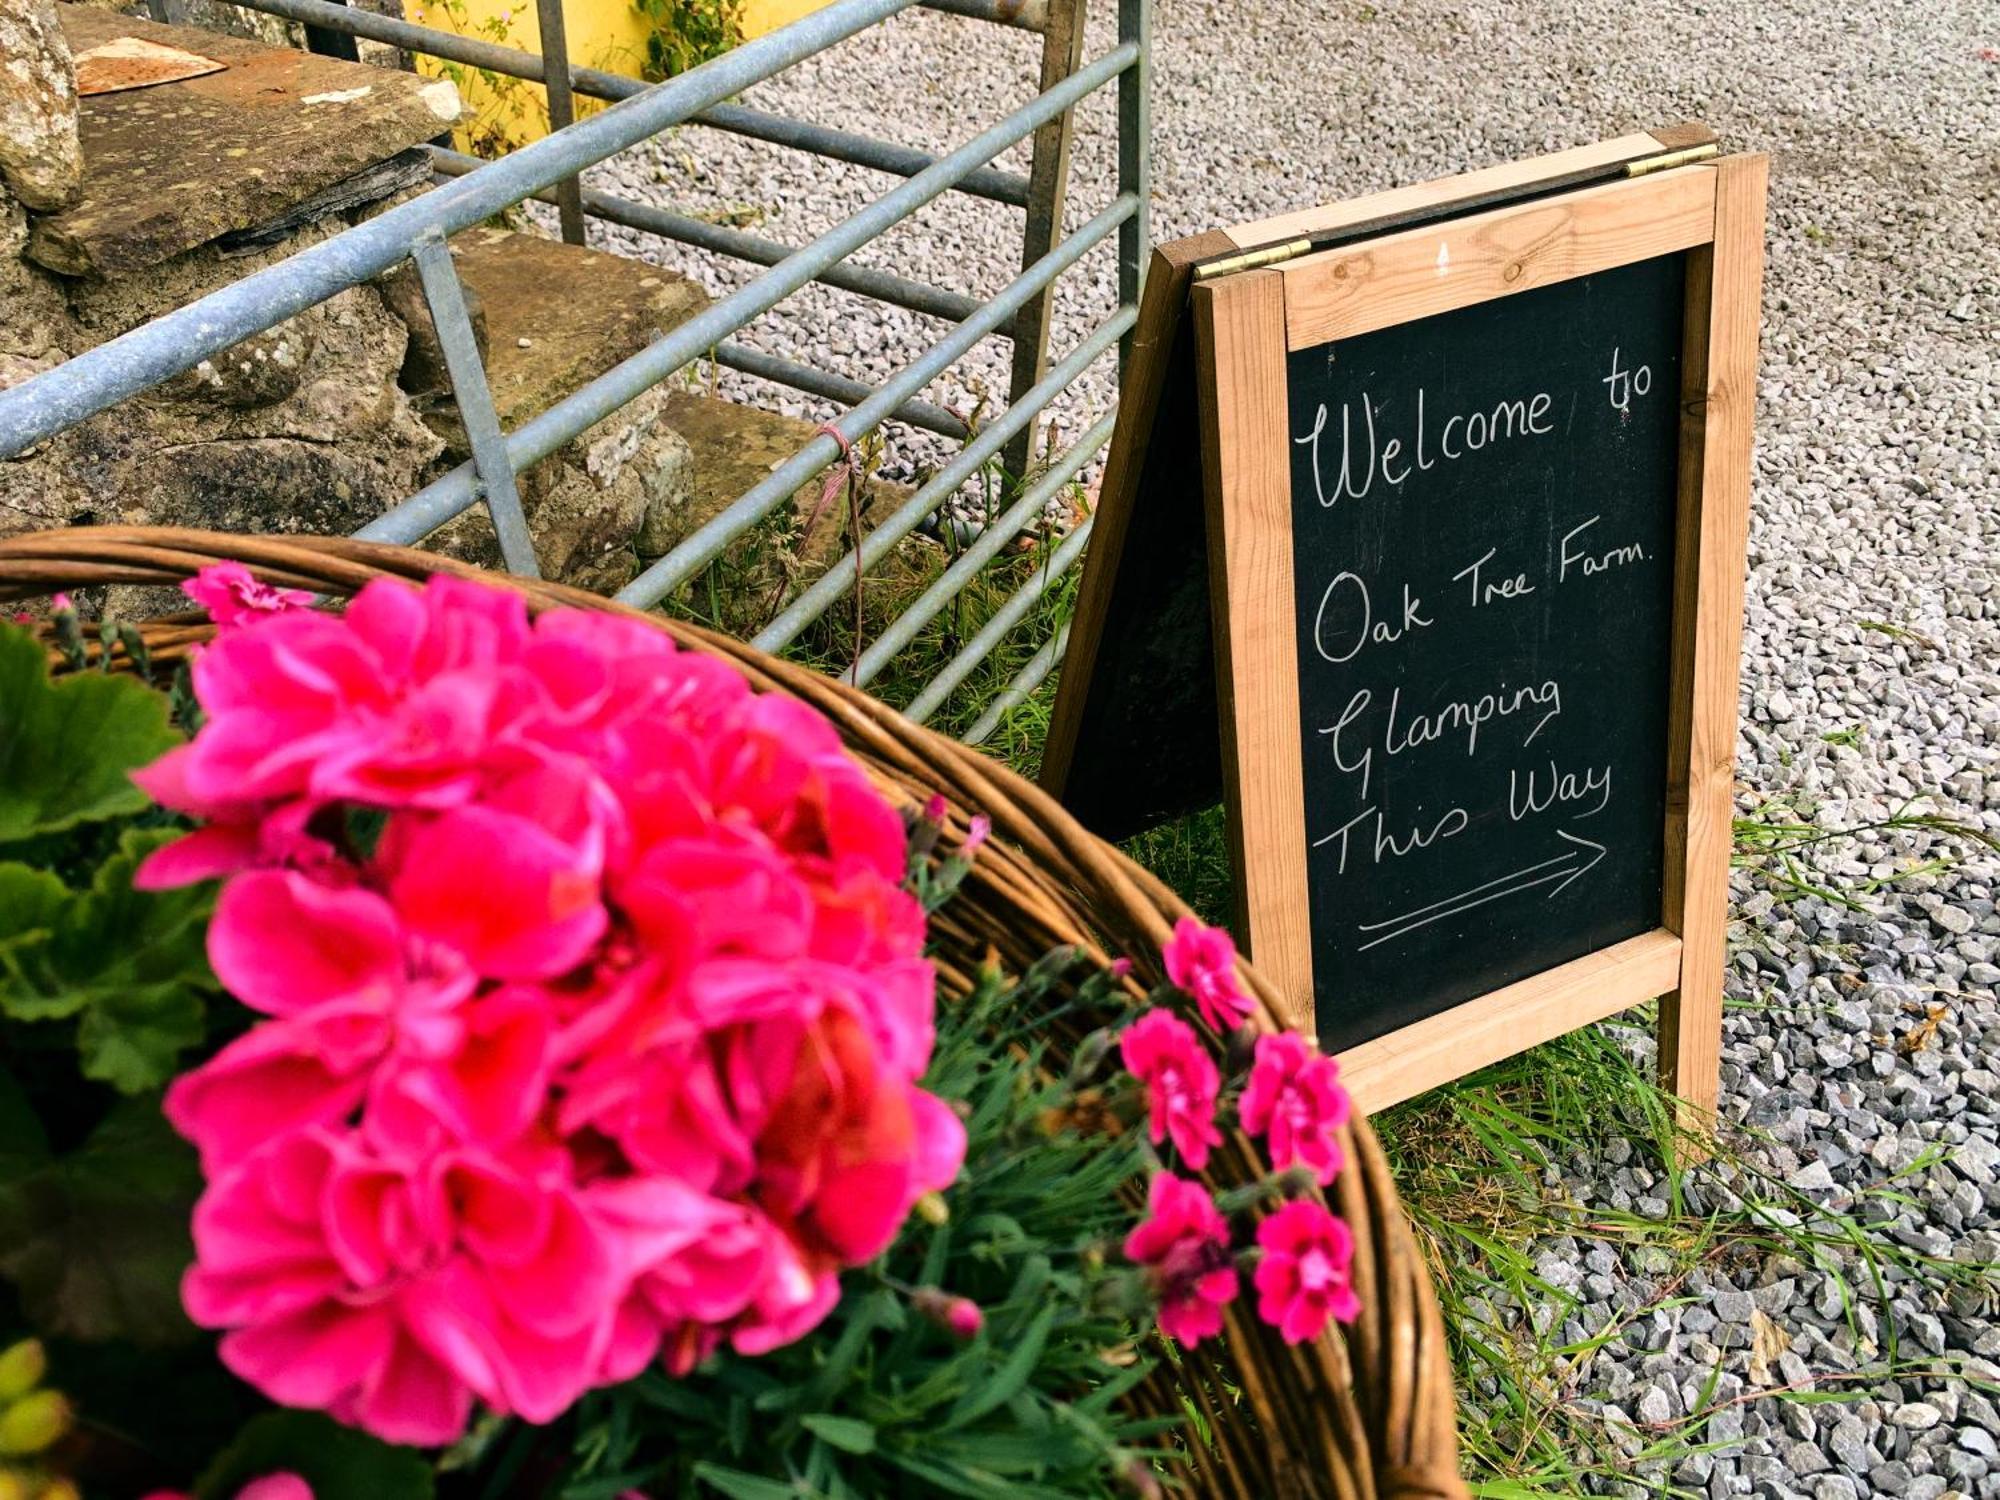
(1868, 1044)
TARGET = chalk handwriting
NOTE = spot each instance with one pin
(1363, 457)
(1589, 564)
(1329, 636)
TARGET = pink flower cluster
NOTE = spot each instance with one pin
(594, 1006)
(1293, 1099)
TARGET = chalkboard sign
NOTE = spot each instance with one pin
(1483, 509)
(1473, 460)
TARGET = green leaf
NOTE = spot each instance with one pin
(96, 1240)
(737, 1485)
(338, 1463)
(32, 906)
(67, 748)
(134, 962)
(133, 1040)
(24, 1146)
(1009, 1378)
(848, 1434)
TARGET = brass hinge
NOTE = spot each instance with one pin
(1249, 260)
(1670, 160)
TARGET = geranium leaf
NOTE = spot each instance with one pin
(24, 1146)
(133, 1039)
(32, 903)
(336, 1462)
(96, 1239)
(134, 963)
(67, 748)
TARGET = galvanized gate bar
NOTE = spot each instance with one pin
(860, 150)
(1003, 529)
(905, 519)
(708, 542)
(445, 296)
(471, 193)
(1030, 677)
(1000, 626)
(39, 408)
(883, 286)
(840, 145)
(832, 387)
(541, 435)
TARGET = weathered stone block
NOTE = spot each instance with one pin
(40, 158)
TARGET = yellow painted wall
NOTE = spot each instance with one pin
(760, 16)
(504, 113)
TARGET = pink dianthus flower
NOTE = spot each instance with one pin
(1181, 1079)
(1302, 1281)
(1295, 1100)
(1202, 961)
(1184, 1245)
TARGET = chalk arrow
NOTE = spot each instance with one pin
(1562, 869)
(1587, 865)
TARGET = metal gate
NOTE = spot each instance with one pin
(472, 192)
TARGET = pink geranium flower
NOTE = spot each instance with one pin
(1163, 1052)
(1184, 1245)
(1202, 961)
(592, 1041)
(231, 595)
(1295, 1100)
(394, 1291)
(1302, 1281)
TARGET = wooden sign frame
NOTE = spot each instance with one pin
(1245, 324)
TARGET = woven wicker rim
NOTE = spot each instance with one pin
(1365, 1413)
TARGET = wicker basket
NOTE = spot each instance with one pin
(1361, 1414)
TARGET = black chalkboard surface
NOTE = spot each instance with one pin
(1483, 521)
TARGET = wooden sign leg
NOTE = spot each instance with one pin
(1715, 525)
(1246, 455)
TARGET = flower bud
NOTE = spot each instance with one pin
(933, 1210)
(14, 1486)
(1090, 1055)
(977, 832)
(1140, 1480)
(1297, 1180)
(37, 1421)
(60, 1489)
(22, 1366)
(958, 1316)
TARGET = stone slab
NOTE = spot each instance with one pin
(174, 166)
(734, 446)
(557, 315)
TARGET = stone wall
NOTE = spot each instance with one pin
(326, 421)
